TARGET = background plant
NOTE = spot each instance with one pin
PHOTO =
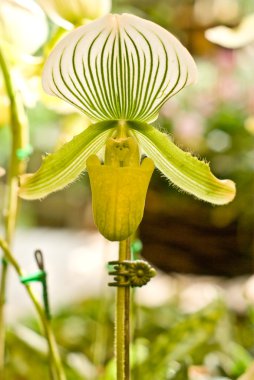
(229, 114)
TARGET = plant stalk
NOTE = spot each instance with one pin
(53, 350)
(20, 139)
(19, 129)
(122, 328)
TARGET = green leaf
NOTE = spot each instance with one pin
(119, 67)
(183, 169)
(187, 340)
(190, 332)
(66, 164)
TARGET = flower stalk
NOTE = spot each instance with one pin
(19, 151)
(127, 274)
(122, 326)
(19, 129)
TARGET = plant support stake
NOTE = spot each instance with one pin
(45, 321)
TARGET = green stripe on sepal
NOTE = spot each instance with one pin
(181, 168)
(66, 164)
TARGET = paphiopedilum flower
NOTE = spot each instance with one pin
(18, 21)
(70, 13)
(233, 38)
(119, 71)
(18, 42)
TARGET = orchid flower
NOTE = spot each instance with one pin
(69, 13)
(233, 38)
(17, 20)
(119, 71)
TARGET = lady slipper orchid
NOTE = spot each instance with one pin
(17, 21)
(233, 38)
(18, 43)
(69, 13)
(119, 71)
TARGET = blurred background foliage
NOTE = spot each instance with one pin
(213, 119)
(210, 344)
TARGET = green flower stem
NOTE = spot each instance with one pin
(2, 324)
(122, 332)
(55, 36)
(53, 350)
(20, 139)
(19, 126)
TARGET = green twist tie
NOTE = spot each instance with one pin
(23, 153)
(39, 276)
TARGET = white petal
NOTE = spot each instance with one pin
(233, 38)
(23, 24)
(119, 67)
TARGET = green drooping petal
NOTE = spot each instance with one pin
(66, 164)
(181, 168)
(119, 67)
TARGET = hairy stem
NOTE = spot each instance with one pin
(122, 331)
